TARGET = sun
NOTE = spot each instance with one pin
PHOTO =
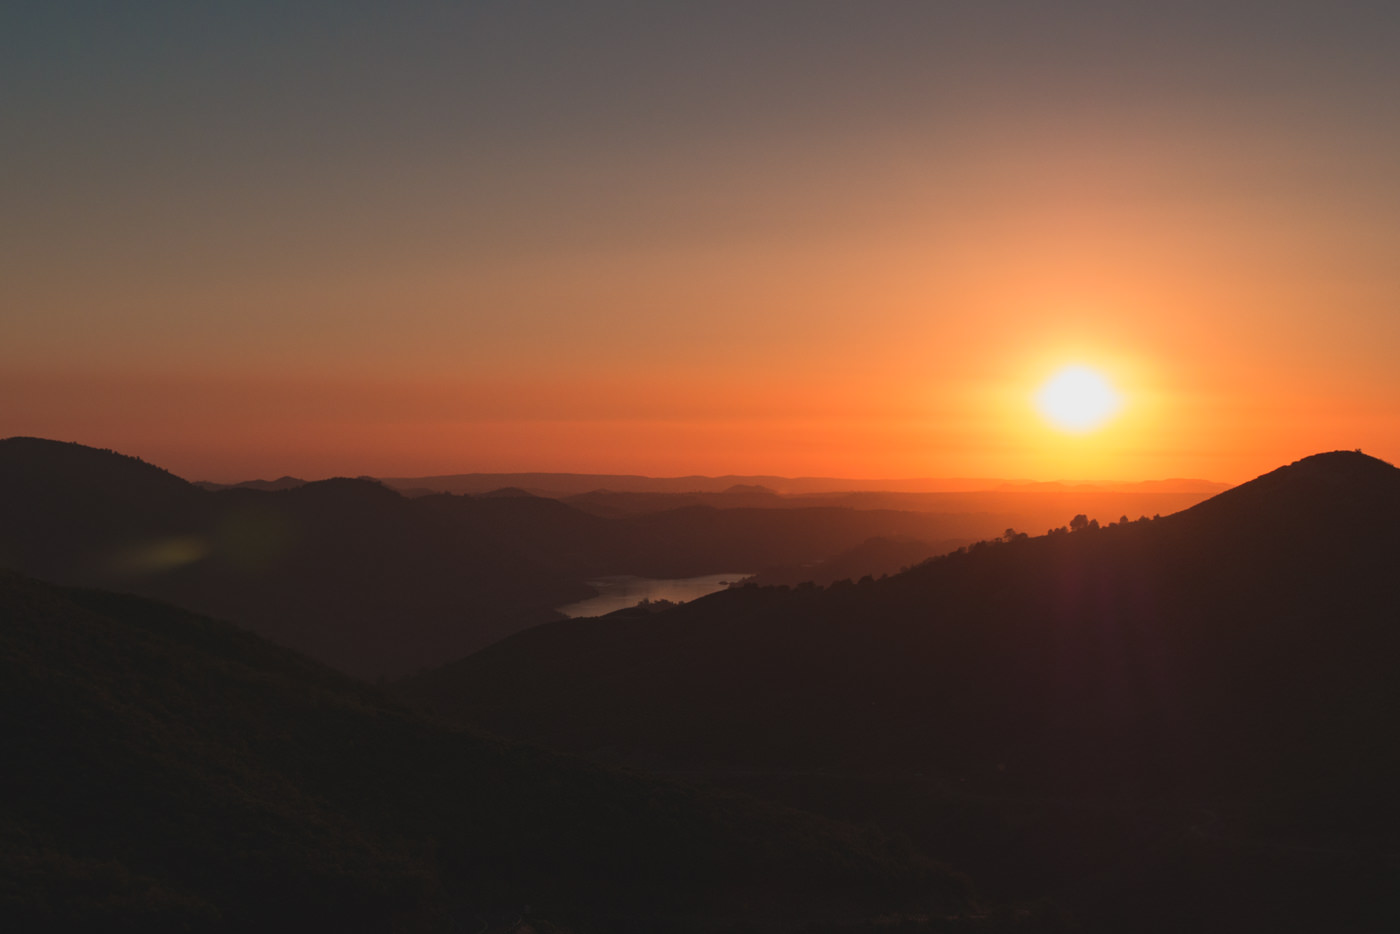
(1078, 399)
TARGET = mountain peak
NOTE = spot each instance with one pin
(363, 489)
(1319, 474)
(1336, 491)
(1338, 465)
(42, 463)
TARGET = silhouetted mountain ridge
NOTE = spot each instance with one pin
(1332, 488)
(350, 571)
(38, 462)
(281, 483)
(355, 574)
(1236, 659)
(345, 569)
(508, 492)
(562, 485)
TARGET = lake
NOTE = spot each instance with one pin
(622, 591)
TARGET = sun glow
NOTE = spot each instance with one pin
(1078, 400)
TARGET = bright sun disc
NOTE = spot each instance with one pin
(1078, 399)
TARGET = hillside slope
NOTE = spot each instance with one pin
(1236, 659)
(369, 581)
(169, 772)
(345, 570)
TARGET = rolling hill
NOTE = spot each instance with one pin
(345, 570)
(1204, 702)
(377, 584)
(167, 772)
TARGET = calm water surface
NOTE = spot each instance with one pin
(618, 593)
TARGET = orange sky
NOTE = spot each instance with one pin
(718, 241)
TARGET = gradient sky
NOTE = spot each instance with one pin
(810, 238)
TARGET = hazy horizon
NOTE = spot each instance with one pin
(809, 484)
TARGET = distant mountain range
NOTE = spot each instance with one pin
(559, 485)
(1213, 692)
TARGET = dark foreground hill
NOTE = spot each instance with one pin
(168, 772)
(874, 557)
(1197, 712)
